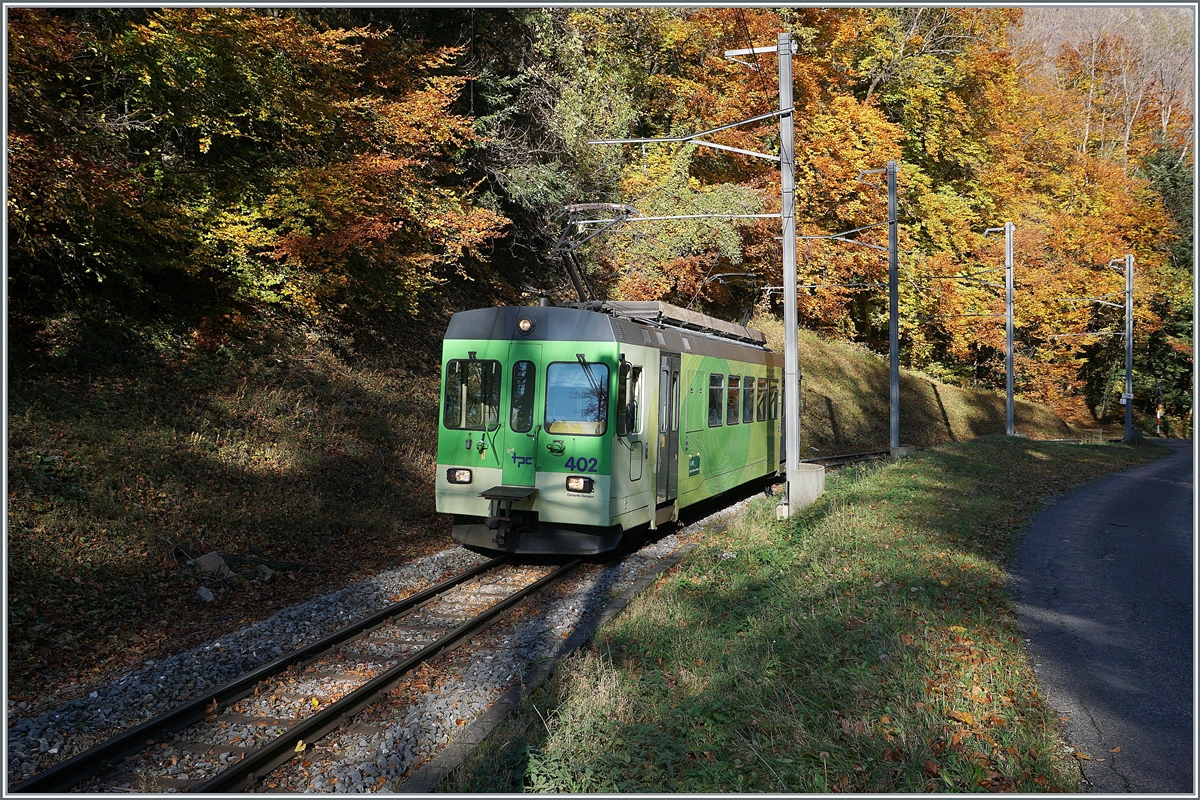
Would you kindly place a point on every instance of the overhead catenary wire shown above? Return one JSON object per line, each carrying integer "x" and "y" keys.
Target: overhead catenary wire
{"x": 677, "y": 216}
{"x": 952, "y": 316}
{"x": 770, "y": 290}
{"x": 756, "y": 67}
{"x": 1092, "y": 333}
{"x": 840, "y": 236}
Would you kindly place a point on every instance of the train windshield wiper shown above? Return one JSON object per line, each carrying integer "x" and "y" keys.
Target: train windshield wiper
{"x": 588, "y": 371}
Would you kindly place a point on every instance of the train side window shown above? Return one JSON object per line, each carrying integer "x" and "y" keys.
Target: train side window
{"x": 524, "y": 378}
{"x": 577, "y": 398}
{"x": 748, "y": 399}
{"x": 472, "y": 394}
{"x": 716, "y": 386}
{"x": 635, "y": 400}
{"x": 629, "y": 388}
{"x": 762, "y": 399}
{"x": 452, "y": 411}
{"x": 773, "y": 398}
{"x": 734, "y": 400}
{"x": 623, "y": 398}
{"x": 675, "y": 400}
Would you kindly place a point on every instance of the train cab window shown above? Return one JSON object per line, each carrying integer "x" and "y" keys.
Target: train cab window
{"x": 748, "y": 399}
{"x": 762, "y": 399}
{"x": 577, "y": 398}
{"x": 675, "y": 400}
{"x": 472, "y": 394}
{"x": 635, "y": 400}
{"x": 524, "y": 382}
{"x": 773, "y": 398}
{"x": 732, "y": 413}
{"x": 716, "y": 397}
{"x": 629, "y": 396}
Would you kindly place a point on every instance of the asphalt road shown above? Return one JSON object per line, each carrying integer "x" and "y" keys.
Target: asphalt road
{"x": 1104, "y": 588}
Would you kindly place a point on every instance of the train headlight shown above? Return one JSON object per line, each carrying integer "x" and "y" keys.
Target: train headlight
{"x": 578, "y": 483}
{"x": 525, "y": 325}
{"x": 458, "y": 475}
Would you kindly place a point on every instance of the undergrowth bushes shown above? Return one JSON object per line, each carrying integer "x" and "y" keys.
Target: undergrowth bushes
{"x": 130, "y": 447}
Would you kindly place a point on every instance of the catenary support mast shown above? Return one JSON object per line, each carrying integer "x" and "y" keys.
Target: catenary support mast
{"x": 893, "y": 307}
{"x": 1009, "y": 426}
{"x": 1128, "y": 347}
{"x": 791, "y": 348}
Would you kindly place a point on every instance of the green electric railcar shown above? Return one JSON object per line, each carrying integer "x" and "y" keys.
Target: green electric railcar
{"x": 562, "y": 427}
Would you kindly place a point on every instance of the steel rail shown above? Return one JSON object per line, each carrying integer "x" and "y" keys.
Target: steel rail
{"x": 95, "y": 760}
{"x": 848, "y": 458}
{"x": 242, "y": 775}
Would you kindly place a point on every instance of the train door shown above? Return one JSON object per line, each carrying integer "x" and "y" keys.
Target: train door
{"x": 629, "y": 420}
{"x": 667, "y": 470}
{"x": 518, "y": 450}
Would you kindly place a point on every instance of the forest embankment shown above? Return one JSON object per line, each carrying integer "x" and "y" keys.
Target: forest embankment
{"x": 132, "y": 449}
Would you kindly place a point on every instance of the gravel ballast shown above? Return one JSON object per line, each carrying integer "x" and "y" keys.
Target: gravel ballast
{"x": 74, "y": 726}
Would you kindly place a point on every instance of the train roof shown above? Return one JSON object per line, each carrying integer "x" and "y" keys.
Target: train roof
{"x": 657, "y": 314}
{"x": 652, "y": 324}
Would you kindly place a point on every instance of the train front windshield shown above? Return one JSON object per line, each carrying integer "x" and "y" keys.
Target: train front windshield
{"x": 577, "y": 398}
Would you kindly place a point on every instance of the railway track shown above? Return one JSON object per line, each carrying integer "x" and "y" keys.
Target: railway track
{"x": 232, "y": 737}
{"x": 848, "y": 458}
{"x": 196, "y": 743}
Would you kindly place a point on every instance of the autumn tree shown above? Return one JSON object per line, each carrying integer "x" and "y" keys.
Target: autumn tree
{"x": 229, "y": 156}
{"x": 990, "y": 123}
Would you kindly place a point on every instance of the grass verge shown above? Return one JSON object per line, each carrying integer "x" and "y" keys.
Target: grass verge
{"x": 867, "y": 645}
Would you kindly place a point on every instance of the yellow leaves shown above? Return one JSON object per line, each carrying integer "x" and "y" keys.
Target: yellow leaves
{"x": 839, "y": 140}
{"x": 964, "y": 717}
{"x": 648, "y": 170}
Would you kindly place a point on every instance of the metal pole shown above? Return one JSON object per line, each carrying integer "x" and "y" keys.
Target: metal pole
{"x": 1158, "y": 404}
{"x": 893, "y": 306}
{"x": 791, "y": 354}
{"x": 1008, "y": 328}
{"x": 1128, "y": 347}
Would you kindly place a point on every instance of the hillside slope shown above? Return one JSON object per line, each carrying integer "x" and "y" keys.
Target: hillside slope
{"x": 132, "y": 447}
{"x": 845, "y": 404}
